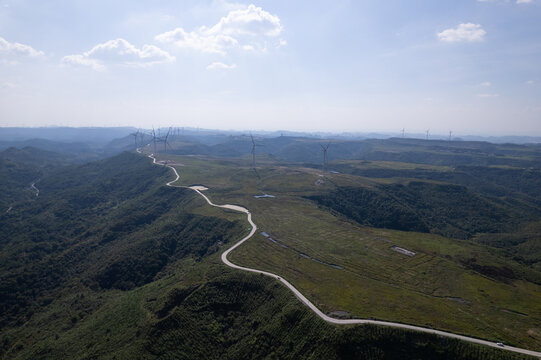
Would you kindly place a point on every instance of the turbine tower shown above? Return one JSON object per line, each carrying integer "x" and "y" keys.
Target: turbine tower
{"x": 254, "y": 145}
{"x": 135, "y": 135}
{"x": 165, "y": 144}
{"x": 253, "y": 151}
{"x": 154, "y": 140}
{"x": 403, "y": 132}
{"x": 450, "y": 135}
{"x": 427, "y": 132}
{"x": 325, "y": 148}
{"x": 142, "y": 136}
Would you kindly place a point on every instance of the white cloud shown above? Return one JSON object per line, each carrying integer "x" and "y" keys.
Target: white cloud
{"x": 463, "y": 33}
{"x": 221, "y": 66}
{"x": 119, "y": 52}
{"x": 252, "y": 21}
{"x": 247, "y": 29}
{"x": 10, "y": 85}
{"x": 524, "y": 1}
{"x": 488, "y": 95}
{"x": 199, "y": 40}
{"x": 486, "y": 84}
{"x": 12, "y": 52}
{"x": 529, "y": 82}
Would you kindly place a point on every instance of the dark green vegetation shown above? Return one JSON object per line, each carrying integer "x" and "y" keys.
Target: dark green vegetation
{"x": 19, "y": 168}
{"x": 109, "y": 263}
{"x": 445, "y": 209}
{"x": 105, "y": 225}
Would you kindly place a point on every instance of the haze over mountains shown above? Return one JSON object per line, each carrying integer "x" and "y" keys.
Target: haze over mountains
{"x": 106, "y": 134}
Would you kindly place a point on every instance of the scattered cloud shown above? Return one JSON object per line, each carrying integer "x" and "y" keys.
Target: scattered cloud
{"x": 199, "y": 40}
{"x": 13, "y": 52}
{"x": 524, "y": 1}
{"x": 119, "y": 52}
{"x": 488, "y": 95}
{"x": 221, "y": 66}
{"x": 10, "y": 85}
{"x": 252, "y": 21}
{"x": 486, "y": 84}
{"x": 467, "y": 32}
{"x": 248, "y": 29}
{"x": 530, "y": 82}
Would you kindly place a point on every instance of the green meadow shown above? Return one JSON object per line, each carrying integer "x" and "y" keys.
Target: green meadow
{"x": 451, "y": 284}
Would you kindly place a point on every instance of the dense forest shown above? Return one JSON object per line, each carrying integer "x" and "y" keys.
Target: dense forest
{"x": 446, "y": 209}
{"x": 87, "y": 226}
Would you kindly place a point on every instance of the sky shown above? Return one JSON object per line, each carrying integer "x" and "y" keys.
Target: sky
{"x": 470, "y": 66}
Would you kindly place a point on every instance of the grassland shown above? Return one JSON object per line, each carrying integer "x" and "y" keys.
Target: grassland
{"x": 435, "y": 288}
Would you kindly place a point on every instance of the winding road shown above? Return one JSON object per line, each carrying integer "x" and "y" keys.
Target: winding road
{"x": 308, "y": 303}
{"x": 33, "y": 187}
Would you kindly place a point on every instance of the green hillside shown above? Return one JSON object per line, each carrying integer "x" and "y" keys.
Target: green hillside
{"x": 105, "y": 225}
{"x": 22, "y": 167}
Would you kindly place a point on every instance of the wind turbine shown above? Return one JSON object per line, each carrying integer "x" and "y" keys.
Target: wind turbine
{"x": 165, "y": 144}
{"x": 427, "y": 132}
{"x": 325, "y": 148}
{"x": 142, "y": 136}
{"x": 450, "y": 134}
{"x": 403, "y": 132}
{"x": 254, "y": 145}
{"x": 135, "y": 135}
{"x": 154, "y": 140}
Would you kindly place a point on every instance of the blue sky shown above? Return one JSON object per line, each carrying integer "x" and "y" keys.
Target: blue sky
{"x": 468, "y": 66}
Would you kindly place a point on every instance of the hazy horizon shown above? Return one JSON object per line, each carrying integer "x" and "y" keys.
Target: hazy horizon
{"x": 469, "y": 66}
{"x": 512, "y": 138}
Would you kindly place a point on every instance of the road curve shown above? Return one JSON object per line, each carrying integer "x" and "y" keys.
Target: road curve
{"x": 308, "y": 303}
{"x": 33, "y": 187}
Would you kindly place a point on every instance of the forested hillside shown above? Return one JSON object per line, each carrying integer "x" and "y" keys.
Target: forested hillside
{"x": 22, "y": 167}
{"x": 108, "y": 224}
{"x": 450, "y": 210}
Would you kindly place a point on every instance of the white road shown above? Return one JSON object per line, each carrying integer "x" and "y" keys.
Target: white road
{"x": 33, "y": 186}
{"x": 308, "y": 303}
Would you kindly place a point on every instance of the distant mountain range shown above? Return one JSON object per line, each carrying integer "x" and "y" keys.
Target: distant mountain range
{"x": 104, "y": 135}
